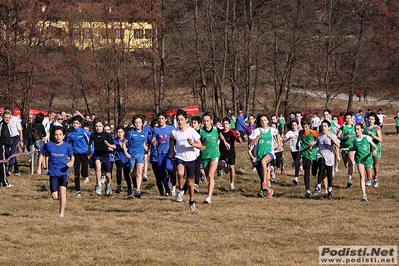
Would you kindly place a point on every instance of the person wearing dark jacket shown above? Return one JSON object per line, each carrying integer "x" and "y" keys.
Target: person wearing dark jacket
{"x": 5, "y": 146}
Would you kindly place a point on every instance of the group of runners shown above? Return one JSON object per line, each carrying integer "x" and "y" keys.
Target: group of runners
{"x": 202, "y": 146}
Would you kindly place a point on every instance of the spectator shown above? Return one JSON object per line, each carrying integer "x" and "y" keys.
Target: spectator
{"x": 16, "y": 135}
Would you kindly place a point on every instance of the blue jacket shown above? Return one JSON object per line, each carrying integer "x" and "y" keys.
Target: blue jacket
{"x": 240, "y": 124}
{"x": 79, "y": 140}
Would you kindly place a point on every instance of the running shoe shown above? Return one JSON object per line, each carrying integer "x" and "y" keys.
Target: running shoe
{"x": 108, "y": 190}
{"x": 219, "y": 172}
{"x": 329, "y": 195}
{"x": 86, "y": 180}
{"x": 145, "y": 177}
{"x": 208, "y": 200}
{"x": 316, "y": 191}
{"x": 307, "y": 194}
{"x": 98, "y": 189}
{"x": 78, "y": 194}
{"x": 375, "y": 184}
{"x": 173, "y": 191}
{"x": 295, "y": 181}
{"x": 196, "y": 188}
{"x": 192, "y": 206}
{"x": 349, "y": 183}
{"x": 129, "y": 193}
{"x": 202, "y": 175}
{"x": 226, "y": 168}
{"x": 137, "y": 194}
{"x": 118, "y": 189}
{"x": 270, "y": 194}
{"x": 261, "y": 194}
{"x": 61, "y": 215}
{"x": 18, "y": 174}
{"x": 301, "y": 168}
{"x": 368, "y": 182}
{"x": 9, "y": 185}
{"x": 364, "y": 197}
{"x": 232, "y": 186}
{"x": 264, "y": 186}
{"x": 283, "y": 171}
{"x": 180, "y": 195}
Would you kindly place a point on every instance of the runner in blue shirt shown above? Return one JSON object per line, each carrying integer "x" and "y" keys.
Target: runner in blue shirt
{"x": 79, "y": 140}
{"x": 121, "y": 162}
{"x": 134, "y": 147}
{"x": 160, "y": 140}
{"x": 56, "y": 155}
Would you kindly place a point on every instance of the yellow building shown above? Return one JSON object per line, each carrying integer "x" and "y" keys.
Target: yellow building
{"x": 100, "y": 35}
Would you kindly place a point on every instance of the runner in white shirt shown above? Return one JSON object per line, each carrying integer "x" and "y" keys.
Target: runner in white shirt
{"x": 183, "y": 141}
{"x": 292, "y": 137}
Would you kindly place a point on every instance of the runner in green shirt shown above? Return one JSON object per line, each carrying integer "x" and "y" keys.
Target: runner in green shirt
{"x": 210, "y": 136}
{"x": 363, "y": 157}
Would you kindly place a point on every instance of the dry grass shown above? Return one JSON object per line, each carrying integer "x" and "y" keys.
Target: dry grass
{"x": 236, "y": 229}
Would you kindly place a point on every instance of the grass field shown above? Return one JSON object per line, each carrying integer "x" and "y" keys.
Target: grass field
{"x": 238, "y": 228}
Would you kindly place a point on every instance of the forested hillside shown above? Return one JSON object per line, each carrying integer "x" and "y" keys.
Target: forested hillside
{"x": 219, "y": 54}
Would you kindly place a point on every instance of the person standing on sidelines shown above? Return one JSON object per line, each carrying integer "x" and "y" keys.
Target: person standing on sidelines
{"x": 228, "y": 155}
{"x": 134, "y": 146}
{"x": 210, "y": 136}
{"x": 183, "y": 141}
{"x": 375, "y": 132}
{"x": 346, "y": 135}
{"x": 102, "y": 142}
{"x": 56, "y": 154}
{"x": 16, "y": 134}
{"x": 5, "y": 146}
{"x": 79, "y": 140}
{"x": 263, "y": 136}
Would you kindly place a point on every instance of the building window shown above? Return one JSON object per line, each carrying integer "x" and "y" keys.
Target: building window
{"x": 76, "y": 32}
{"x": 138, "y": 34}
{"x": 119, "y": 33}
{"x": 87, "y": 33}
{"x": 148, "y": 34}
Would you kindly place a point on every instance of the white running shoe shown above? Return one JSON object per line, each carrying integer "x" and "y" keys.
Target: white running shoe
{"x": 98, "y": 189}
{"x": 173, "y": 191}
{"x": 232, "y": 186}
{"x": 192, "y": 206}
{"x": 208, "y": 200}
{"x": 203, "y": 176}
{"x": 180, "y": 195}
{"x": 86, "y": 180}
